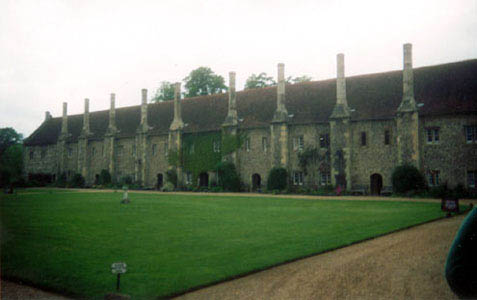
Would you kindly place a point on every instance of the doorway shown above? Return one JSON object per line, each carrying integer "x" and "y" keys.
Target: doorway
{"x": 160, "y": 181}
{"x": 256, "y": 182}
{"x": 203, "y": 179}
{"x": 376, "y": 184}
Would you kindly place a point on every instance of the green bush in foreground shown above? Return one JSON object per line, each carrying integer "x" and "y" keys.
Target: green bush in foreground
{"x": 228, "y": 177}
{"x": 407, "y": 178}
{"x": 277, "y": 179}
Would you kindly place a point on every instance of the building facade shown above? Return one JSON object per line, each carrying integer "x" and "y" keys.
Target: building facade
{"x": 350, "y": 132}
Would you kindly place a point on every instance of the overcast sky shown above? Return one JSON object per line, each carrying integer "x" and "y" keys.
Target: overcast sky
{"x": 55, "y": 51}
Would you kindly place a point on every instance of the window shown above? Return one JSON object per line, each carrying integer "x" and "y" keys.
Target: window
{"x": 471, "y": 134}
{"x": 70, "y": 151}
{"x": 433, "y": 177}
{"x": 298, "y": 143}
{"x": 43, "y": 153}
{"x": 298, "y": 178}
{"x": 363, "y": 138}
{"x": 93, "y": 151}
{"x": 264, "y": 144}
{"x": 102, "y": 151}
{"x": 192, "y": 149}
{"x": 154, "y": 146}
{"x": 387, "y": 137}
{"x": 247, "y": 144}
{"x": 32, "y": 154}
{"x": 188, "y": 178}
{"x": 325, "y": 178}
{"x": 324, "y": 140}
{"x": 133, "y": 150}
{"x": 216, "y": 146}
{"x": 166, "y": 149}
{"x": 471, "y": 175}
{"x": 432, "y": 135}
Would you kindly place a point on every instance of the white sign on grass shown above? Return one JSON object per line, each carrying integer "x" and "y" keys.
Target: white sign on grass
{"x": 118, "y": 268}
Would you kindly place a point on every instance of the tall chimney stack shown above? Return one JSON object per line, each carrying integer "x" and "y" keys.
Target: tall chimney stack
{"x": 281, "y": 114}
{"x": 231, "y": 118}
{"x": 112, "y": 113}
{"x": 340, "y": 81}
{"x": 144, "y": 109}
{"x": 408, "y": 101}
{"x": 64, "y": 120}
{"x": 341, "y": 109}
{"x": 47, "y": 116}
{"x": 177, "y": 123}
{"x": 86, "y": 116}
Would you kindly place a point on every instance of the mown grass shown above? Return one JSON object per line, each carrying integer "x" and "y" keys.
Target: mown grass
{"x": 171, "y": 243}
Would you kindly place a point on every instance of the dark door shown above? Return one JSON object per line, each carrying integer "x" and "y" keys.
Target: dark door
{"x": 160, "y": 180}
{"x": 256, "y": 182}
{"x": 376, "y": 184}
{"x": 204, "y": 179}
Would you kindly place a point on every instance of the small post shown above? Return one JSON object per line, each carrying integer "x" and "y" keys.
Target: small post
{"x": 117, "y": 283}
{"x": 125, "y": 195}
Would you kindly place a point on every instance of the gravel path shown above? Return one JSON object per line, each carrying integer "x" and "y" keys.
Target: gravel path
{"x": 404, "y": 265}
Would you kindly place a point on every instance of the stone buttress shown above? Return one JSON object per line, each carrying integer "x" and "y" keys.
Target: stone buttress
{"x": 279, "y": 125}
{"x": 83, "y": 157}
{"x": 110, "y": 138}
{"x": 61, "y": 144}
{"x": 175, "y": 133}
{"x": 230, "y": 125}
{"x": 141, "y": 142}
{"x": 407, "y": 118}
{"x": 340, "y": 132}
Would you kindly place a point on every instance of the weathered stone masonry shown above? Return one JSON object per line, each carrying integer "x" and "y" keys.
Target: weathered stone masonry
{"x": 361, "y": 126}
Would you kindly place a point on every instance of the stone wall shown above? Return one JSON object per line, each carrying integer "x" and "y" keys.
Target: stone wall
{"x": 125, "y": 158}
{"x": 46, "y": 163}
{"x": 256, "y": 160}
{"x": 157, "y": 162}
{"x": 375, "y": 157}
{"x": 452, "y": 156}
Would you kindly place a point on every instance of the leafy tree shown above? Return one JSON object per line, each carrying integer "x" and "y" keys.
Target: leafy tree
{"x": 104, "y": 177}
{"x": 165, "y": 92}
{"x": 229, "y": 180}
{"x": 259, "y": 81}
{"x": 262, "y": 80}
{"x": 299, "y": 79}
{"x": 11, "y": 156}
{"x": 203, "y": 81}
{"x": 8, "y": 137}
{"x": 277, "y": 179}
{"x": 407, "y": 178}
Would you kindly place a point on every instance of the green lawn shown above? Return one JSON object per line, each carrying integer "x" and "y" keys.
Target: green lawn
{"x": 171, "y": 243}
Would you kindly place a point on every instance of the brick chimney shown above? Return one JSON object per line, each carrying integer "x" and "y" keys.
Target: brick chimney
{"x": 86, "y": 116}
{"x": 408, "y": 103}
{"x": 231, "y": 118}
{"x": 177, "y": 123}
{"x": 281, "y": 114}
{"x": 144, "y": 126}
{"x": 47, "y": 116}
{"x": 112, "y": 113}
{"x": 341, "y": 109}
{"x": 64, "y": 120}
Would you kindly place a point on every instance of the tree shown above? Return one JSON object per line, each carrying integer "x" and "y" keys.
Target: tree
{"x": 299, "y": 79}
{"x": 229, "y": 180}
{"x": 277, "y": 179}
{"x": 11, "y": 164}
{"x": 8, "y": 137}
{"x": 407, "y": 178}
{"x": 259, "y": 81}
{"x": 203, "y": 81}
{"x": 165, "y": 92}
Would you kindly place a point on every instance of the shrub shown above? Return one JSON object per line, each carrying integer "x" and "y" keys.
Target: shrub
{"x": 77, "y": 181}
{"x": 104, "y": 177}
{"x": 171, "y": 176}
{"x": 168, "y": 187}
{"x": 61, "y": 182}
{"x": 407, "y": 178}
{"x": 228, "y": 177}
{"x": 277, "y": 179}
{"x": 126, "y": 180}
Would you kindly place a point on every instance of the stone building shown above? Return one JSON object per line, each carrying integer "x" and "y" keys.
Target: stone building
{"x": 354, "y": 132}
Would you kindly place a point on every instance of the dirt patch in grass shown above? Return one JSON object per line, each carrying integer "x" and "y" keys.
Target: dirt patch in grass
{"x": 402, "y": 265}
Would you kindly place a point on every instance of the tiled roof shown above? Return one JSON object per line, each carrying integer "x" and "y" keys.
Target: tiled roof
{"x": 443, "y": 89}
